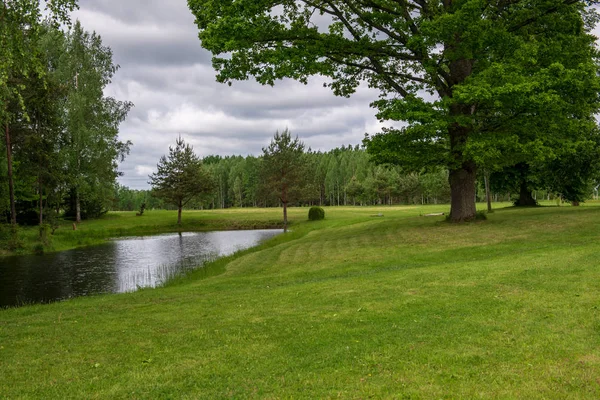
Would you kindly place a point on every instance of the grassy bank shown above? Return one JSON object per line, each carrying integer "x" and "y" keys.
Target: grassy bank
{"x": 123, "y": 224}
{"x": 120, "y": 224}
{"x": 356, "y": 306}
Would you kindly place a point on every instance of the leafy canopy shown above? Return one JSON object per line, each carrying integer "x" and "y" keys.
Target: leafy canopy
{"x": 20, "y": 32}
{"x": 472, "y": 81}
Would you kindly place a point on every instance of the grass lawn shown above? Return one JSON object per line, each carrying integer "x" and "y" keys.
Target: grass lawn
{"x": 356, "y": 306}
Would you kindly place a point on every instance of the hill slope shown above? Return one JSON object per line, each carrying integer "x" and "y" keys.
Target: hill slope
{"x": 402, "y": 306}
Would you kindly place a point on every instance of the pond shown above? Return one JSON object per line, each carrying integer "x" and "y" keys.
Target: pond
{"x": 117, "y": 266}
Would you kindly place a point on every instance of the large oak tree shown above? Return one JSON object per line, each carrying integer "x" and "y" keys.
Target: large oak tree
{"x": 438, "y": 65}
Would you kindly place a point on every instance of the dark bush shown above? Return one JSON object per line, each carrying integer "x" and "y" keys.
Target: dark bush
{"x": 13, "y": 238}
{"x": 29, "y": 217}
{"x": 316, "y": 214}
{"x": 52, "y": 219}
{"x": 45, "y": 236}
{"x": 481, "y": 216}
{"x": 90, "y": 209}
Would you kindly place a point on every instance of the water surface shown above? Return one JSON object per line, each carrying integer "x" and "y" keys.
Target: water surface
{"x": 117, "y": 266}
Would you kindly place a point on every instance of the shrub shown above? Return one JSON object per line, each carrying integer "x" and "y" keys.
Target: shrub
{"x": 316, "y": 214}
{"x": 38, "y": 249}
{"x": 52, "y": 220}
{"x": 14, "y": 242}
{"x": 481, "y": 216}
{"x": 45, "y": 237}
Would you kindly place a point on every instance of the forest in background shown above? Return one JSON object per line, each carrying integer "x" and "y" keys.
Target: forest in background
{"x": 340, "y": 177}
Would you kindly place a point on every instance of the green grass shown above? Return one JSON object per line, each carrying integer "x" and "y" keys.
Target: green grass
{"x": 355, "y": 306}
{"x": 119, "y": 224}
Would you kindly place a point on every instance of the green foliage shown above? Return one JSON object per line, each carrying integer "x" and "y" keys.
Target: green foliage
{"x": 316, "y": 214}
{"x": 22, "y": 66}
{"x": 180, "y": 177}
{"x": 475, "y": 83}
{"x": 342, "y": 176}
{"x": 284, "y": 167}
{"x": 11, "y": 236}
{"x": 20, "y": 31}
{"x": 45, "y": 239}
{"x": 284, "y": 170}
{"x": 39, "y": 249}
{"x": 92, "y": 121}
{"x": 574, "y": 170}
{"x": 45, "y": 230}
{"x": 125, "y": 199}
{"x": 63, "y": 130}
{"x": 52, "y": 221}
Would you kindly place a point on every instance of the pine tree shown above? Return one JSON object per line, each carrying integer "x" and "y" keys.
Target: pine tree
{"x": 180, "y": 177}
{"x": 283, "y": 169}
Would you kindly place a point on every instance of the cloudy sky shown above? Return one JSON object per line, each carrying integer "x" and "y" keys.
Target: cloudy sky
{"x": 168, "y": 76}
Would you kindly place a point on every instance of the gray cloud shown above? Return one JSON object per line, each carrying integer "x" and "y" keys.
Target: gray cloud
{"x": 141, "y": 11}
{"x": 168, "y": 76}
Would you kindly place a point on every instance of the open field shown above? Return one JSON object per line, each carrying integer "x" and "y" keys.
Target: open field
{"x": 122, "y": 224}
{"x": 356, "y": 306}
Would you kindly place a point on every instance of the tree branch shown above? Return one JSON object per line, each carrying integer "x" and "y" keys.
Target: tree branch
{"x": 376, "y": 63}
{"x": 549, "y": 11}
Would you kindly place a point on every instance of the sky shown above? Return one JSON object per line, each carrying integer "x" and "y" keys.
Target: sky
{"x": 169, "y": 77}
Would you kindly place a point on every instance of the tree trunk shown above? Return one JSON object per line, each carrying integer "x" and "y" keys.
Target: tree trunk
{"x": 462, "y": 196}
{"x": 77, "y": 207}
{"x": 575, "y": 203}
{"x": 525, "y": 198}
{"x": 40, "y": 188}
{"x": 285, "y": 220}
{"x": 179, "y": 208}
{"x": 284, "y": 201}
{"x": 488, "y": 194}
{"x": 462, "y": 177}
{"x": 11, "y": 186}
{"x": 462, "y": 171}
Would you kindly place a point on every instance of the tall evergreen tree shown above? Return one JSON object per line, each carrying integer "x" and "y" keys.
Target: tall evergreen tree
{"x": 284, "y": 169}
{"x": 180, "y": 177}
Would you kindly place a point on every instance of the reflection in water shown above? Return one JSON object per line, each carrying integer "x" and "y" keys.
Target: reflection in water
{"x": 117, "y": 266}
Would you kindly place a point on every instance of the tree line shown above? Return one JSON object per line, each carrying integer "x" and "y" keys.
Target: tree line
{"x": 61, "y": 149}
{"x": 289, "y": 174}
{"x": 513, "y": 88}
{"x": 342, "y": 176}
